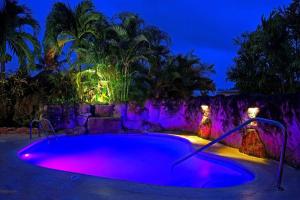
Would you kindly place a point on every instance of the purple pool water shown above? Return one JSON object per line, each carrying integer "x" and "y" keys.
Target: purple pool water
{"x": 142, "y": 158}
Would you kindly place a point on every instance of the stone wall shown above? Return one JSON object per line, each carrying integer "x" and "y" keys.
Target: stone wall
{"x": 84, "y": 118}
{"x": 225, "y": 114}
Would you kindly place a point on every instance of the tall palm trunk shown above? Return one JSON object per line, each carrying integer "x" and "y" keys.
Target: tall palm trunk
{"x": 50, "y": 59}
{"x": 126, "y": 82}
{"x": 2, "y": 60}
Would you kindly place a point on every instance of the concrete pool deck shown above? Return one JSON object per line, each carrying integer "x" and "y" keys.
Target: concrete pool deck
{"x": 21, "y": 181}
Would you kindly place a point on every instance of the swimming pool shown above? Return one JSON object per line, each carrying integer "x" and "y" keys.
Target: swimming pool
{"x": 141, "y": 158}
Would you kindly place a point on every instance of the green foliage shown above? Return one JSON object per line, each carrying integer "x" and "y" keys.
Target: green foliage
{"x": 179, "y": 77}
{"x": 58, "y": 87}
{"x": 128, "y": 46}
{"x": 91, "y": 88}
{"x": 70, "y": 26}
{"x": 13, "y": 37}
{"x": 268, "y": 59}
{"x": 134, "y": 61}
{"x": 111, "y": 61}
{"x": 113, "y": 57}
{"x": 22, "y": 96}
{"x": 19, "y": 100}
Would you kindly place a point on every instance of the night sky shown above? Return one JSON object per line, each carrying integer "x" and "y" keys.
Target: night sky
{"x": 206, "y": 27}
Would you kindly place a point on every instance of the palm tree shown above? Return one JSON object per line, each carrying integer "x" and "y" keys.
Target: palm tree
{"x": 66, "y": 25}
{"x": 160, "y": 47}
{"x": 180, "y": 77}
{"x": 146, "y": 71}
{"x": 115, "y": 53}
{"x": 95, "y": 58}
{"x": 13, "y": 37}
{"x": 128, "y": 46}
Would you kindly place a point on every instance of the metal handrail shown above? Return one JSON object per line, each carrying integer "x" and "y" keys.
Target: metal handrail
{"x": 39, "y": 127}
{"x": 267, "y": 121}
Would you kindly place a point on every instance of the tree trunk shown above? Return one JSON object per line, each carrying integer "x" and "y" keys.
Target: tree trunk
{"x": 50, "y": 61}
{"x": 3, "y": 59}
{"x": 2, "y": 70}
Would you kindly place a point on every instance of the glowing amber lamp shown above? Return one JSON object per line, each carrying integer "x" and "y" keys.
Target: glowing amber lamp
{"x": 252, "y": 113}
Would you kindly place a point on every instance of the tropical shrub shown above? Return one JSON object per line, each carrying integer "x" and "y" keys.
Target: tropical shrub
{"x": 268, "y": 59}
{"x": 179, "y": 77}
{"x": 91, "y": 87}
{"x": 112, "y": 58}
{"x": 20, "y": 100}
{"x": 57, "y": 87}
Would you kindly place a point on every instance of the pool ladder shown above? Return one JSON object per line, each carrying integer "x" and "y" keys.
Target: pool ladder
{"x": 267, "y": 121}
{"x": 44, "y": 126}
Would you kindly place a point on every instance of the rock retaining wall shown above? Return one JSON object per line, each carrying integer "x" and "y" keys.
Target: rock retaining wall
{"x": 84, "y": 118}
{"x": 225, "y": 114}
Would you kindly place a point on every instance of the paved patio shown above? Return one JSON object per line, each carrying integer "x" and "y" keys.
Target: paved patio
{"x": 21, "y": 181}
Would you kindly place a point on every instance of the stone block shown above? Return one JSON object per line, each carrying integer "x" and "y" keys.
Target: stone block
{"x": 119, "y": 110}
{"x": 74, "y": 131}
{"x": 82, "y": 119}
{"x": 69, "y": 117}
{"x": 134, "y": 125}
{"x": 21, "y": 130}
{"x": 84, "y": 108}
{"x": 104, "y": 110}
{"x": 25, "y": 130}
{"x": 104, "y": 125}
{"x": 7, "y": 130}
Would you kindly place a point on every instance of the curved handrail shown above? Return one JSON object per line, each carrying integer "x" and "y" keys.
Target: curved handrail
{"x": 39, "y": 127}
{"x": 30, "y": 128}
{"x": 267, "y": 121}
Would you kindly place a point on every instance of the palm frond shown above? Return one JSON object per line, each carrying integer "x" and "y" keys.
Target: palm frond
{"x": 24, "y": 44}
{"x": 120, "y": 31}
